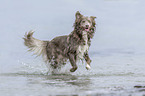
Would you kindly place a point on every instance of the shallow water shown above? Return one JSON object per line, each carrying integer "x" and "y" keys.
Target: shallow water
{"x": 114, "y": 75}
{"x": 117, "y": 49}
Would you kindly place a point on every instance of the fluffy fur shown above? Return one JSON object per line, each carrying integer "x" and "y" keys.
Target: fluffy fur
{"x": 72, "y": 47}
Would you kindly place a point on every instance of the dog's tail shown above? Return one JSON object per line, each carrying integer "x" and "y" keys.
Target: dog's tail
{"x": 35, "y": 45}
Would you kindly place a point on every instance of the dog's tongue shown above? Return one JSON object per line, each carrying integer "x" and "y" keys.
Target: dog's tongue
{"x": 87, "y": 29}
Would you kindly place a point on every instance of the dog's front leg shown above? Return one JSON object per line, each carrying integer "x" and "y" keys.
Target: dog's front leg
{"x": 73, "y": 62}
{"x": 88, "y": 61}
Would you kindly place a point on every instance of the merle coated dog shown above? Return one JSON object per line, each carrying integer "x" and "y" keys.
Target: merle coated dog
{"x": 72, "y": 47}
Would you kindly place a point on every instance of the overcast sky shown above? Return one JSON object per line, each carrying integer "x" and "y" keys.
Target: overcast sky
{"x": 120, "y": 23}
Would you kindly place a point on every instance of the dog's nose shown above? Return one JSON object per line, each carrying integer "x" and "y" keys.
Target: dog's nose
{"x": 87, "y": 26}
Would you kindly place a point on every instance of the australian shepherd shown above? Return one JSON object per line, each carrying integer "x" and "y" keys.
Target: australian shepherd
{"x": 72, "y": 47}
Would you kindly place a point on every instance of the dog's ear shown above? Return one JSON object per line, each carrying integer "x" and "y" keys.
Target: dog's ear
{"x": 93, "y": 17}
{"x": 93, "y": 20}
{"x": 78, "y": 15}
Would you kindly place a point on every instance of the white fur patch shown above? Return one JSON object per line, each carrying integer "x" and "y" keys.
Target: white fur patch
{"x": 88, "y": 67}
{"x": 83, "y": 48}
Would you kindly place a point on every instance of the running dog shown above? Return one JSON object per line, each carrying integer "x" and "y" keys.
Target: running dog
{"x": 72, "y": 47}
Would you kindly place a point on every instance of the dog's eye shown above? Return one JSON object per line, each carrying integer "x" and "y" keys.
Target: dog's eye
{"x": 83, "y": 21}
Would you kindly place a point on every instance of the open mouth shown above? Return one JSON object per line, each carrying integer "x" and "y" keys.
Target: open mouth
{"x": 87, "y": 29}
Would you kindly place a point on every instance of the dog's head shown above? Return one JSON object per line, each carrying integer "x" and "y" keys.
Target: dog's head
{"x": 83, "y": 22}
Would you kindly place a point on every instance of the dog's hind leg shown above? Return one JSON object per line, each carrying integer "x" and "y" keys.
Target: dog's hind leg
{"x": 73, "y": 62}
{"x": 54, "y": 62}
{"x": 88, "y": 61}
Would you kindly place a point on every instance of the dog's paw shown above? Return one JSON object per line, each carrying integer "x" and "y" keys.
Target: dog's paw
{"x": 88, "y": 67}
{"x": 73, "y": 69}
